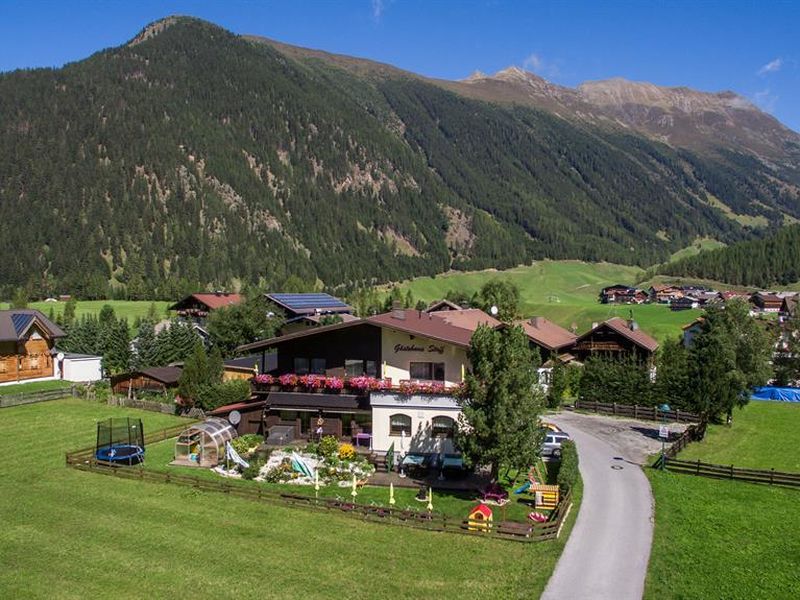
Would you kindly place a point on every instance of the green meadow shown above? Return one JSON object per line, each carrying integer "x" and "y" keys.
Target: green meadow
{"x": 71, "y": 534}
{"x": 565, "y": 292}
{"x": 763, "y": 435}
{"x": 129, "y": 309}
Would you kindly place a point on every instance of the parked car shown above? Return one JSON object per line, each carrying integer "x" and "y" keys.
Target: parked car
{"x": 552, "y": 443}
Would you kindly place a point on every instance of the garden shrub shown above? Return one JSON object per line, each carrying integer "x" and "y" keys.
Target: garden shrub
{"x": 244, "y": 442}
{"x": 252, "y": 471}
{"x": 568, "y": 470}
{"x": 328, "y": 446}
{"x": 215, "y": 395}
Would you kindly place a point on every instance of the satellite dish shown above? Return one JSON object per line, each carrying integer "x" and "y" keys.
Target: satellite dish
{"x": 494, "y": 311}
{"x": 60, "y": 356}
{"x": 235, "y": 417}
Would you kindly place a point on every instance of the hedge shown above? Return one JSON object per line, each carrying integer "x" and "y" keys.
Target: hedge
{"x": 568, "y": 470}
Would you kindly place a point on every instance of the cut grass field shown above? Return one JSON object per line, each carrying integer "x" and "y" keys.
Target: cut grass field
{"x": 565, "y": 292}
{"x": 129, "y": 309}
{"x": 72, "y": 534}
{"x": 764, "y": 435}
{"x": 34, "y": 386}
{"x": 723, "y": 539}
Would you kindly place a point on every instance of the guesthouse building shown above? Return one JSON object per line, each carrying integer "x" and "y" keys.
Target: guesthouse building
{"x": 27, "y": 346}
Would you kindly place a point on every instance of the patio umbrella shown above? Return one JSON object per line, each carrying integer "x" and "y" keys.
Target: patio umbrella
{"x": 430, "y": 499}
{"x": 391, "y": 494}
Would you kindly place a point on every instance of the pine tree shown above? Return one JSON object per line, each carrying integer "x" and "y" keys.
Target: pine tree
{"x": 69, "y": 312}
{"x": 117, "y": 355}
{"x": 501, "y": 404}
{"x": 146, "y": 347}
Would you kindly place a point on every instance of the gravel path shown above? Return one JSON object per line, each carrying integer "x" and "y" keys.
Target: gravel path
{"x": 608, "y": 550}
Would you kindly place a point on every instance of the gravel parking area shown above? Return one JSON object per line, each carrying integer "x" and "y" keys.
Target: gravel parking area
{"x": 636, "y": 440}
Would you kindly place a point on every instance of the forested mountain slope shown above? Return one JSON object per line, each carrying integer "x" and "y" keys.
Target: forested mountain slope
{"x": 192, "y": 157}
{"x": 773, "y": 260}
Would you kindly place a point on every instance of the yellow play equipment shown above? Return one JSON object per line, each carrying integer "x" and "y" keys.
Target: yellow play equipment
{"x": 480, "y": 518}
{"x": 546, "y": 496}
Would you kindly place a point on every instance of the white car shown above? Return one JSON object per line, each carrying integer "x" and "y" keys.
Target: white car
{"x": 552, "y": 443}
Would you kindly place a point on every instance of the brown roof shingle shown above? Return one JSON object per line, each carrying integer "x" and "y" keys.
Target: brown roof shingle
{"x": 544, "y": 332}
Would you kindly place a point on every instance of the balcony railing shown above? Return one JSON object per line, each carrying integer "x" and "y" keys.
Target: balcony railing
{"x": 357, "y": 385}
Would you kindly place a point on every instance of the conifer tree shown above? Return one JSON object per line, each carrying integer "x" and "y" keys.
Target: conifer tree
{"x": 501, "y": 401}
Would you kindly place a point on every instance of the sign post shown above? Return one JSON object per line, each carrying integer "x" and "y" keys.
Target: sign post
{"x": 663, "y": 432}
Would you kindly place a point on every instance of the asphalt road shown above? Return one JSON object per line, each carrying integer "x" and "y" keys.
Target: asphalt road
{"x": 607, "y": 552}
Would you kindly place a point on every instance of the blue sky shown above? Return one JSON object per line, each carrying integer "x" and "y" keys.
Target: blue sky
{"x": 750, "y": 47}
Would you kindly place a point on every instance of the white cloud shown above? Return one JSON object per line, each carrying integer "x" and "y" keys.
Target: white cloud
{"x": 766, "y": 100}
{"x": 536, "y": 63}
{"x": 378, "y": 6}
{"x": 771, "y": 67}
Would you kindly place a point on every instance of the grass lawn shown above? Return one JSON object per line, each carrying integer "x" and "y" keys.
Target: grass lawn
{"x": 35, "y": 386}
{"x": 565, "y": 292}
{"x": 764, "y": 435}
{"x": 129, "y": 309}
{"x": 723, "y": 539}
{"x": 70, "y": 534}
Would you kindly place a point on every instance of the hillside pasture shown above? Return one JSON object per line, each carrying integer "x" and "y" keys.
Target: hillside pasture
{"x": 128, "y": 309}
{"x": 564, "y": 291}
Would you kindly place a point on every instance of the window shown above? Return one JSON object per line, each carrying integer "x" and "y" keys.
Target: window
{"x": 318, "y": 366}
{"x": 33, "y": 361}
{"x": 426, "y": 371}
{"x": 398, "y": 424}
{"x": 355, "y": 367}
{"x": 442, "y": 427}
{"x": 301, "y": 366}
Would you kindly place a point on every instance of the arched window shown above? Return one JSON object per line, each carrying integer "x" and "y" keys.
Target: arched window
{"x": 398, "y": 424}
{"x": 442, "y": 426}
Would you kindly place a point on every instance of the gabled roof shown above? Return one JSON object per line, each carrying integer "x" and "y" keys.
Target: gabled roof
{"x": 212, "y": 300}
{"x": 620, "y": 326}
{"x": 310, "y": 303}
{"x": 165, "y": 375}
{"x": 767, "y": 297}
{"x": 17, "y": 322}
{"x": 619, "y": 286}
{"x": 442, "y": 305}
{"x": 453, "y": 326}
{"x": 697, "y": 321}
{"x": 317, "y": 318}
{"x": 546, "y": 333}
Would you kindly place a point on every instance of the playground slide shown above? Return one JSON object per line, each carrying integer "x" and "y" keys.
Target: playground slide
{"x": 523, "y": 488}
{"x": 233, "y": 455}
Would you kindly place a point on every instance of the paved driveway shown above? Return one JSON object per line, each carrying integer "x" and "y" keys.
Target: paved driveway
{"x": 607, "y": 552}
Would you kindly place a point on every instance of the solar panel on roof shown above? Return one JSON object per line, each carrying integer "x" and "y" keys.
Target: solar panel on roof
{"x": 21, "y": 321}
{"x": 301, "y": 301}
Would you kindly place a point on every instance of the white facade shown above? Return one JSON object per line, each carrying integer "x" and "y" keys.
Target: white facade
{"x": 400, "y": 349}
{"x": 420, "y": 411}
{"x": 80, "y": 368}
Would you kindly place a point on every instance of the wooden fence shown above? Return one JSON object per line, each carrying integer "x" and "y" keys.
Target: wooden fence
{"x": 771, "y": 477}
{"x": 650, "y": 413}
{"x": 84, "y": 460}
{"x": 9, "y": 400}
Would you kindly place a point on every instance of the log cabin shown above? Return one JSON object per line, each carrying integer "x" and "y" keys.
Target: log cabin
{"x": 27, "y": 345}
{"x": 615, "y": 337}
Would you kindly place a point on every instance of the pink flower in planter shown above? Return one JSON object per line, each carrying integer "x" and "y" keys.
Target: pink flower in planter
{"x": 408, "y": 387}
{"x": 312, "y": 382}
{"x": 334, "y": 383}
{"x": 361, "y": 383}
{"x": 288, "y": 380}
{"x": 264, "y": 379}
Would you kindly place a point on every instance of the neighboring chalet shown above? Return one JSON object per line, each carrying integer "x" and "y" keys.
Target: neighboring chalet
{"x": 198, "y": 306}
{"x": 552, "y": 341}
{"x": 622, "y": 294}
{"x": 789, "y": 307}
{"x": 311, "y": 310}
{"x": 684, "y": 303}
{"x": 27, "y": 345}
{"x": 441, "y": 305}
{"x": 664, "y": 294}
{"x": 615, "y": 337}
{"x": 692, "y": 330}
{"x": 766, "y": 302}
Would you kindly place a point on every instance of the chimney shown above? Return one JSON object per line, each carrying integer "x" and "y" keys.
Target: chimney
{"x": 633, "y": 325}
{"x": 594, "y": 324}
{"x": 535, "y": 321}
{"x": 398, "y": 312}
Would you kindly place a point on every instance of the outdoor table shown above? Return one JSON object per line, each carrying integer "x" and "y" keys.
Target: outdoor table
{"x": 363, "y": 436}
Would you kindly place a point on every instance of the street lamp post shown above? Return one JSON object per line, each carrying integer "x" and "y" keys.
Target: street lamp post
{"x": 663, "y": 432}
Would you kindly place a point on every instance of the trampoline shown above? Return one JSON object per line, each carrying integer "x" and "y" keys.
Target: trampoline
{"x": 120, "y": 442}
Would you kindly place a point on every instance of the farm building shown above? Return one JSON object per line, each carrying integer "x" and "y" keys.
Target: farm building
{"x": 198, "y": 306}
{"x": 622, "y": 294}
{"x": 766, "y": 302}
{"x": 303, "y": 311}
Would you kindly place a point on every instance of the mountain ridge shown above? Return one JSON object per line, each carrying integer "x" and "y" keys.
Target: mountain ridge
{"x": 191, "y": 157}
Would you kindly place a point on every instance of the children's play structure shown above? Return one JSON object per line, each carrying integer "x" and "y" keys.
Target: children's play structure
{"x": 480, "y": 518}
{"x": 120, "y": 442}
{"x": 204, "y": 444}
{"x": 545, "y": 496}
